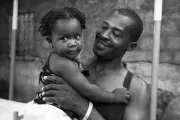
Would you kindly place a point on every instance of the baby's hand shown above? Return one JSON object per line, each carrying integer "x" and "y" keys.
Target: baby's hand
{"x": 122, "y": 95}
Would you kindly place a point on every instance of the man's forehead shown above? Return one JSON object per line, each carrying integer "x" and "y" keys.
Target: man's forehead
{"x": 119, "y": 21}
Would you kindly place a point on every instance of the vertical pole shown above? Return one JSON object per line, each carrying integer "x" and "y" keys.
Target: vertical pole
{"x": 13, "y": 48}
{"x": 155, "y": 62}
{"x": 15, "y": 115}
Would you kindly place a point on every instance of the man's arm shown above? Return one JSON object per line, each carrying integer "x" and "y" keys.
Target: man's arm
{"x": 81, "y": 110}
{"x": 139, "y": 105}
{"x": 66, "y": 96}
{"x": 95, "y": 115}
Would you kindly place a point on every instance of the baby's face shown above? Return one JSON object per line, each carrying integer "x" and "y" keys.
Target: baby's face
{"x": 67, "y": 37}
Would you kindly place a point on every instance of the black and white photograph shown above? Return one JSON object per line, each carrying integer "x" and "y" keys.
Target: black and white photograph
{"x": 89, "y": 60}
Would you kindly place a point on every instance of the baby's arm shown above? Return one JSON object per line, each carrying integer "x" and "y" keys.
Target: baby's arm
{"x": 69, "y": 71}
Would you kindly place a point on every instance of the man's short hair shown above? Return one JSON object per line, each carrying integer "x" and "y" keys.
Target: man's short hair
{"x": 137, "y": 27}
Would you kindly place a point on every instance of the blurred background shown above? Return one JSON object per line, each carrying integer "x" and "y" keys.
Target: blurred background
{"x": 32, "y": 50}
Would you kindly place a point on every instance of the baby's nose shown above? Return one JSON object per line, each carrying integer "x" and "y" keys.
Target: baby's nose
{"x": 72, "y": 43}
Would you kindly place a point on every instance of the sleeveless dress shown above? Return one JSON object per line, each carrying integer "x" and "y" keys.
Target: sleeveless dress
{"x": 47, "y": 71}
{"x": 114, "y": 111}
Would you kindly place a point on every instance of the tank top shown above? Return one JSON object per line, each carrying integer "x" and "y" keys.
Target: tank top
{"x": 47, "y": 71}
{"x": 114, "y": 111}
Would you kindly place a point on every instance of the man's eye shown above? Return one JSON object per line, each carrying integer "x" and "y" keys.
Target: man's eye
{"x": 117, "y": 34}
{"x": 104, "y": 27}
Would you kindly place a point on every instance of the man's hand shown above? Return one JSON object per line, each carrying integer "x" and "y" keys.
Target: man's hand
{"x": 63, "y": 94}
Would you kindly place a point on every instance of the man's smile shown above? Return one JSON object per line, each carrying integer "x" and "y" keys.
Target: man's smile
{"x": 102, "y": 44}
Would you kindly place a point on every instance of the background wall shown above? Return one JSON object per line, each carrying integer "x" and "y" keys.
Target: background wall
{"x": 95, "y": 11}
{"x": 139, "y": 60}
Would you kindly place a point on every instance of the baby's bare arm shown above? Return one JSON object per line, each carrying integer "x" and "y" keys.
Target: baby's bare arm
{"x": 70, "y": 72}
{"x": 122, "y": 95}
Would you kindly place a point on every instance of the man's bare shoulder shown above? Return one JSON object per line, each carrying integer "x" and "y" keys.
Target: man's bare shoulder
{"x": 139, "y": 105}
{"x": 139, "y": 85}
{"x": 140, "y": 90}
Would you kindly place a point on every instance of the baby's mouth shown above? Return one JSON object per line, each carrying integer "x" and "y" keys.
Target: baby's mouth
{"x": 72, "y": 52}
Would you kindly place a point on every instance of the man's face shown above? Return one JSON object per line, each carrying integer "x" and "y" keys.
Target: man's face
{"x": 113, "y": 38}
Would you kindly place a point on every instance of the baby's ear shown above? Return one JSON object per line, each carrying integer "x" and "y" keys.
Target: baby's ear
{"x": 49, "y": 39}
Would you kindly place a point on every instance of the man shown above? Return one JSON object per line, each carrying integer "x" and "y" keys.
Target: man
{"x": 118, "y": 34}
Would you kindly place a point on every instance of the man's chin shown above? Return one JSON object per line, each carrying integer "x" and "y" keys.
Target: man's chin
{"x": 104, "y": 55}
{"x": 98, "y": 53}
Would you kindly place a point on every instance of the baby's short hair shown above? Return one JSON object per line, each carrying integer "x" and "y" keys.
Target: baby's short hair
{"x": 48, "y": 21}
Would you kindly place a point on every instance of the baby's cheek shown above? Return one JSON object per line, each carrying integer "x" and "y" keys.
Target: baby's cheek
{"x": 80, "y": 45}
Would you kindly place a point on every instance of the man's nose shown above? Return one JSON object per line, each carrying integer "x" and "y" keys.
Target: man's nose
{"x": 106, "y": 34}
{"x": 72, "y": 43}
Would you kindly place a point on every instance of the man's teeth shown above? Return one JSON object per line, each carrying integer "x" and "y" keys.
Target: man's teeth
{"x": 101, "y": 44}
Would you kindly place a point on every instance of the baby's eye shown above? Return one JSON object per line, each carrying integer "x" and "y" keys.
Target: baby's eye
{"x": 77, "y": 36}
{"x": 64, "y": 39}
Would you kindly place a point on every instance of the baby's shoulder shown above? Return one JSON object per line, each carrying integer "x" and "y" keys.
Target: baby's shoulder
{"x": 57, "y": 59}
{"x": 57, "y": 62}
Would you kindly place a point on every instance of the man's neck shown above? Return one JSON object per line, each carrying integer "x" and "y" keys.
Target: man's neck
{"x": 107, "y": 74}
{"x": 108, "y": 65}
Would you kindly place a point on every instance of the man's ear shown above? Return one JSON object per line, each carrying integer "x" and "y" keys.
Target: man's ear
{"x": 132, "y": 46}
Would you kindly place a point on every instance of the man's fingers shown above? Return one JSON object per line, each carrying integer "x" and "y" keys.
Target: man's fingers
{"x": 125, "y": 101}
{"x": 50, "y": 99}
{"x": 61, "y": 89}
{"x": 49, "y": 93}
{"x": 127, "y": 92}
{"x": 128, "y": 97}
{"x": 50, "y": 77}
{"x": 54, "y": 78}
{"x": 125, "y": 89}
{"x": 50, "y": 87}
